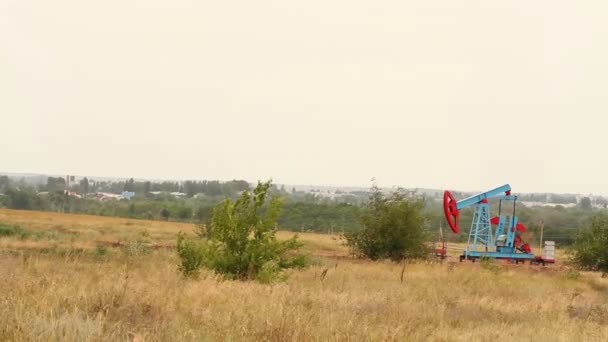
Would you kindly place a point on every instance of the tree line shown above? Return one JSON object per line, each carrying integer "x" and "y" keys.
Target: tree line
{"x": 190, "y": 188}
{"x": 301, "y": 212}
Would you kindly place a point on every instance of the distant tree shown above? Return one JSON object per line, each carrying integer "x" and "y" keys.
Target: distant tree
{"x": 585, "y": 203}
{"x": 203, "y": 214}
{"x": 601, "y": 200}
{"x": 393, "y": 227}
{"x": 132, "y": 209}
{"x": 320, "y": 216}
{"x": 184, "y": 213}
{"x": 93, "y": 185}
{"x": 116, "y": 187}
{"x": 165, "y": 186}
{"x": 4, "y": 183}
{"x": 214, "y": 188}
{"x": 240, "y": 185}
{"x": 84, "y": 186}
{"x": 146, "y": 188}
{"x": 23, "y": 199}
{"x": 190, "y": 188}
{"x": 129, "y": 185}
{"x": 57, "y": 201}
{"x": 563, "y": 198}
{"x": 54, "y": 184}
{"x": 590, "y": 252}
{"x": 165, "y": 214}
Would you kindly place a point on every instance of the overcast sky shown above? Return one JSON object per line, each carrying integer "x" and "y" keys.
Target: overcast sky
{"x": 437, "y": 93}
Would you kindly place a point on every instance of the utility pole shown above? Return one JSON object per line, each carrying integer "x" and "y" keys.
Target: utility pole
{"x": 542, "y": 227}
{"x": 65, "y": 193}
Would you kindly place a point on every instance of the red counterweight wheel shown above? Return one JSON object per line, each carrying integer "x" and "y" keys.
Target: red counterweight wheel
{"x": 451, "y": 211}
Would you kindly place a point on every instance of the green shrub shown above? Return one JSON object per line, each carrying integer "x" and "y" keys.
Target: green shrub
{"x": 590, "y": 252}
{"x": 13, "y": 230}
{"x": 101, "y": 251}
{"x": 165, "y": 214}
{"x": 240, "y": 241}
{"x": 393, "y": 227}
{"x": 192, "y": 254}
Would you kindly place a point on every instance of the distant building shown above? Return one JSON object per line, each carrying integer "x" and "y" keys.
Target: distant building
{"x": 72, "y": 194}
{"x": 102, "y": 196}
{"x": 127, "y": 195}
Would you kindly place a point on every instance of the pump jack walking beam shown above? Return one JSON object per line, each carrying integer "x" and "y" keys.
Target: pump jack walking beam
{"x": 452, "y": 208}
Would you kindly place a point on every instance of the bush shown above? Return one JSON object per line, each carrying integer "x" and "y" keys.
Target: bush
{"x": 590, "y": 252}
{"x": 184, "y": 213}
{"x": 192, "y": 254}
{"x": 165, "y": 214}
{"x": 240, "y": 241}
{"x": 393, "y": 227}
{"x": 101, "y": 251}
{"x": 22, "y": 199}
{"x": 13, "y": 230}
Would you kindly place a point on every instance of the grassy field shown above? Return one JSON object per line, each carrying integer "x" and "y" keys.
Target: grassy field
{"x": 60, "y": 280}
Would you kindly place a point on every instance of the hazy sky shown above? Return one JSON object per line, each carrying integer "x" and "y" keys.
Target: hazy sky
{"x": 435, "y": 93}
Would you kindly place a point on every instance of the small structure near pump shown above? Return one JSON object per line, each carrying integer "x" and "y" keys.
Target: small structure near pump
{"x": 548, "y": 256}
{"x": 496, "y": 237}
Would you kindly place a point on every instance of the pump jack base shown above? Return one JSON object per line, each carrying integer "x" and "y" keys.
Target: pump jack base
{"x": 516, "y": 258}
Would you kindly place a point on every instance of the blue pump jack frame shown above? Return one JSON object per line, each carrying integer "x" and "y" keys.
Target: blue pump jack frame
{"x": 475, "y": 199}
{"x": 481, "y": 234}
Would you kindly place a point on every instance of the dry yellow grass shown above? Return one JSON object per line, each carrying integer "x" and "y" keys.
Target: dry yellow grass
{"x": 69, "y": 296}
{"x": 93, "y": 228}
{"x": 86, "y": 231}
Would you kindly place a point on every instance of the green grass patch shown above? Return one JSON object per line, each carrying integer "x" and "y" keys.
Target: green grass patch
{"x": 13, "y": 230}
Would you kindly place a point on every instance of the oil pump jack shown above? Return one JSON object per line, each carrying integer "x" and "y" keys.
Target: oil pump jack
{"x": 495, "y": 237}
